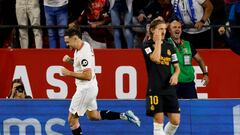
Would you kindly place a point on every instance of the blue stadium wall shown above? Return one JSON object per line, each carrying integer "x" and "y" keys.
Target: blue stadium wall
{"x": 49, "y": 117}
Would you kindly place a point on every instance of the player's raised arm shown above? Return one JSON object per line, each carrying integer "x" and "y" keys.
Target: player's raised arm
{"x": 68, "y": 59}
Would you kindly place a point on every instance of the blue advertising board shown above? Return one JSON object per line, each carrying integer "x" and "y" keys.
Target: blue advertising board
{"x": 49, "y": 117}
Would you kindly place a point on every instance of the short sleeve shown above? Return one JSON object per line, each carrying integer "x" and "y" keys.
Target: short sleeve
{"x": 174, "y": 58}
{"x": 147, "y": 48}
{"x": 85, "y": 57}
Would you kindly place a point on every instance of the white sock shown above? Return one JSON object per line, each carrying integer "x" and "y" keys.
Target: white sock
{"x": 158, "y": 129}
{"x": 170, "y": 129}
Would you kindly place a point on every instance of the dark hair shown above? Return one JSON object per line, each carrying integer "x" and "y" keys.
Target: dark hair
{"x": 17, "y": 81}
{"x": 174, "y": 20}
{"x": 73, "y": 32}
{"x": 21, "y": 86}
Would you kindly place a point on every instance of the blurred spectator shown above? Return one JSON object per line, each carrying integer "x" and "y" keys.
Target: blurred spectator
{"x": 95, "y": 14}
{"x": 7, "y": 18}
{"x": 139, "y": 31}
{"x": 18, "y": 91}
{"x": 194, "y": 14}
{"x": 56, "y": 13}
{"x": 218, "y": 17}
{"x": 232, "y": 34}
{"x": 228, "y": 4}
{"x": 155, "y": 9}
{"x": 121, "y": 11}
{"x": 75, "y": 8}
{"x": 137, "y": 6}
{"x": 28, "y": 9}
{"x": 234, "y": 13}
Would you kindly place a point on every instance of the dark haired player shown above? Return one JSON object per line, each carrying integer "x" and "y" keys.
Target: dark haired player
{"x": 84, "y": 99}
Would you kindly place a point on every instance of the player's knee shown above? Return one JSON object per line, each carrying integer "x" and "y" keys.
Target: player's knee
{"x": 158, "y": 118}
{"x": 175, "y": 121}
{"x": 93, "y": 115}
{"x": 93, "y": 118}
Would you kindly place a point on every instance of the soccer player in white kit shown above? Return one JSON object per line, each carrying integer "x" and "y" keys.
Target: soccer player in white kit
{"x": 84, "y": 99}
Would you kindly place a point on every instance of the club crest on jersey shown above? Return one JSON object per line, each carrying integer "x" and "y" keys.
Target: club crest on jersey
{"x": 84, "y": 62}
{"x": 152, "y": 108}
{"x": 169, "y": 52}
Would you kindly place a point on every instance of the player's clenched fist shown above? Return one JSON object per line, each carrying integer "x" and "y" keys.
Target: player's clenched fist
{"x": 66, "y": 58}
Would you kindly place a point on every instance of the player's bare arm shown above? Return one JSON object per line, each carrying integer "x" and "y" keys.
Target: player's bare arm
{"x": 82, "y": 75}
{"x": 201, "y": 63}
{"x": 174, "y": 77}
{"x": 68, "y": 59}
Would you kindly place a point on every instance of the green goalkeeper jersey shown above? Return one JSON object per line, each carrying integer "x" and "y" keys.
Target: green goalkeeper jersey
{"x": 184, "y": 55}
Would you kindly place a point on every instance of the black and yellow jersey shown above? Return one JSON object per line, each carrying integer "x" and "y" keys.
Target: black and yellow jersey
{"x": 159, "y": 74}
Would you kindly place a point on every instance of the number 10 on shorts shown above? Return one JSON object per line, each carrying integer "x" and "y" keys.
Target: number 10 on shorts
{"x": 153, "y": 100}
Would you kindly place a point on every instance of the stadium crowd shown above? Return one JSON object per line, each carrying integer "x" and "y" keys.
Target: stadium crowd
{"x": 123, "y": 21}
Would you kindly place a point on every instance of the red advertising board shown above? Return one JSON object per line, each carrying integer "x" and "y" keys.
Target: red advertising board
{"x": 121, "y": 74}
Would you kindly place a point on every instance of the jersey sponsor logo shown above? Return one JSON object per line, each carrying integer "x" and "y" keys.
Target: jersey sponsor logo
{"x": 165, "y": 60}
{"x": 84, "y": 62}
{"x": 169, "y": 52}
{"x": 148, "y": 50}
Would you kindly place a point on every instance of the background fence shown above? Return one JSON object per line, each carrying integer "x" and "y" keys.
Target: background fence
{"x": 15, "y": 35}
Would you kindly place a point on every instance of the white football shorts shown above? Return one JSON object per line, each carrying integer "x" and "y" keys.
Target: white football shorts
{"x": 85, "y": 98}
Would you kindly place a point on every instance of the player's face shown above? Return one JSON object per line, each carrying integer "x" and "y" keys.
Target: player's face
{"x": 175, "y": 30}
{"x": 70, "y": 42}
{"x": 161, "y": 28}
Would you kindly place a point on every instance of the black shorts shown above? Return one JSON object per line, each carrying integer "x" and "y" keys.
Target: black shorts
{"x": 161, "y": 103}
{"x": 186, "y": 90}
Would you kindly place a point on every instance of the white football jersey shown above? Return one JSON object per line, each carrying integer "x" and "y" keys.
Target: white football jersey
{"x": 84, "y": 59}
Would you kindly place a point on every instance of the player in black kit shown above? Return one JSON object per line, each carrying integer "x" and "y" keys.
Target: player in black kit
{"x": 161, "y": 94}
